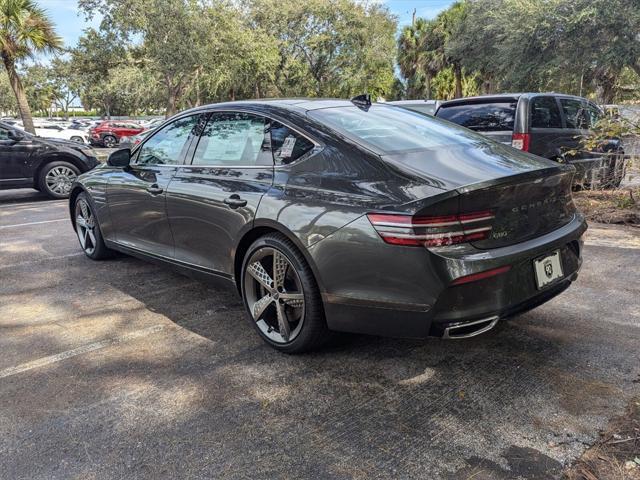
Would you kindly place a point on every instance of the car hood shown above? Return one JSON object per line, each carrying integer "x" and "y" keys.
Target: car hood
{"x": 461, "y": 166}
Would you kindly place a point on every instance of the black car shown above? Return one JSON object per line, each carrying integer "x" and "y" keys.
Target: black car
{"x": 545, "y": 124}
{"x": 333, "y": 215}
{"x": 48, "y": 165}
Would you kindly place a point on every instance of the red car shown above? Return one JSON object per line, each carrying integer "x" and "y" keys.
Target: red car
{"x": 108, "y": 134}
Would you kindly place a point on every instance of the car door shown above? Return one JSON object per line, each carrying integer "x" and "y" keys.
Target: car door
{"x": 212, "y": 200}
{"x": 137, "y": 194}
{"x": 15, "y": 154}
{"x": 545, "y": 126}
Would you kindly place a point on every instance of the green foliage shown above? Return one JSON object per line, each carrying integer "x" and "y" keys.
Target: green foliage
{"x": 584, "y": 47}
{"x": 201, "y": 51}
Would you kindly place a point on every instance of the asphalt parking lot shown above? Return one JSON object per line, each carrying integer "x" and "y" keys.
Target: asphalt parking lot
{"x": 123, "y": 369}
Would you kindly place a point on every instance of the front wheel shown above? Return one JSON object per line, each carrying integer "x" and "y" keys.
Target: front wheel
{"x": 110, "y": 141}
{"x": 281, "y": 296}
{"x": 56, "y": 179}
{"x": 77, "y": 139}
{"x": 88, "y": 230}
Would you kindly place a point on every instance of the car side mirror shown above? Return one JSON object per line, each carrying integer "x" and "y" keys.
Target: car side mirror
{"x": 120, "y": 158}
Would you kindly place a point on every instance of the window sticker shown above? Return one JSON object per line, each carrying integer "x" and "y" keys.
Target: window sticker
{"x": 287, "y": 147}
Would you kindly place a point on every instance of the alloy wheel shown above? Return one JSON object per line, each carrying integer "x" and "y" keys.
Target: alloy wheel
{"x": 109, "y": 141}
{"x": 274, "y": 295}
{"x": 59, "y": 179}
{"x": 85, "y": 226}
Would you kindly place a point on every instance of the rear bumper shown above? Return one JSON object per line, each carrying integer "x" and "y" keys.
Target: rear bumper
{"x": 374, "y": 309}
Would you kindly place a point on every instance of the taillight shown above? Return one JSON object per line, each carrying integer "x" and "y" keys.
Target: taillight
{"x": 432, "y": 231}
{"x": 521, "y": 141}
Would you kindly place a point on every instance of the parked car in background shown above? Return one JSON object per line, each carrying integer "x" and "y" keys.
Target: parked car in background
{"x": 337, "y": 215}
{"x": 47, "y": 129}
{"x": 427, "y": 107}
{"x": 545, "y": 124}
{"x": 136, "y": 139}
{"x": 48, "y": 165}
{"x": 108, "y": 133}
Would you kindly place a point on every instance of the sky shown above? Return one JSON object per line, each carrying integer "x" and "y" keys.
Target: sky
{"x": 70, "y": 24}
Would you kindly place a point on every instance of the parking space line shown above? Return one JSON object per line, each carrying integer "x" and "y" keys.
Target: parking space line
{"x": 34, "y": 223}
{"x": 44, "y": 361}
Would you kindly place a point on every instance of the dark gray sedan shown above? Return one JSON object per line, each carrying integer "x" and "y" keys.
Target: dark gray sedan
{"x": 330, "y": 215}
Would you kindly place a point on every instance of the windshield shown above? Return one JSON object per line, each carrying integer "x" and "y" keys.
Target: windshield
{"x": 391, "y": 130}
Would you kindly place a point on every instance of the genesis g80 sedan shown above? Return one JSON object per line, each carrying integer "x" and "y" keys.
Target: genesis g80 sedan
{"x": 335, "y": 215}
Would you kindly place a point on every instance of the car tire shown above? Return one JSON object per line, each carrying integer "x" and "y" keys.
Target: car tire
{"x": 293, "y": 294}
{"x": 88, "y": 229}
{"x": 109, "y": 141}
{"x": 56, "y": 178}
{"x": 77, "y": 139}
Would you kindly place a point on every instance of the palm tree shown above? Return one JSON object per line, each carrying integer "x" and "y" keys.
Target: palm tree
{"x": 25, "y": 31}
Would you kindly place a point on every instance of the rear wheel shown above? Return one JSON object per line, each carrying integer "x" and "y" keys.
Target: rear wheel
{"x": 88, "y": 230}
{"x": 76, "y": 139}
{"x": 56, "y": 178}
{"x": 110, "y": 141}
{"x": 281, "y": 296}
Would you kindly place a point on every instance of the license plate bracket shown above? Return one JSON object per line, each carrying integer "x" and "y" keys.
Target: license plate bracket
{"x": 548, "y": 269}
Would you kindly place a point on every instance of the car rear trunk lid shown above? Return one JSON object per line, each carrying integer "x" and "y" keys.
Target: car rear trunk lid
{"x": 524, "y": 206}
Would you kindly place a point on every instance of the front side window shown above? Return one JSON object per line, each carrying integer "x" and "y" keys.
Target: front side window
{"x": 594, "y": 113}
{"x": 167, "y": 146}
{"x": 234, "y": 139}
{"x": 481, "y": 117}
{"x": 545, "y": 113}
{"x": 575, "y": 113}
{"x": 4, "y": 134}
{"x": 288, "y": 145}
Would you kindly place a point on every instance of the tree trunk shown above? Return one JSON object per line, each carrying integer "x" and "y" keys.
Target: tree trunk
{"x": 172, "y": 100}
{"x": 428, "y": 87}
{"x": 21, "y": 96}
{"x": 457, "y": 73}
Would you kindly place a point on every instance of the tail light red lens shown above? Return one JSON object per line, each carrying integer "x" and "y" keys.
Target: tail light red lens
{"x": 432, "y": 231}
{"x": 521, "y": 141}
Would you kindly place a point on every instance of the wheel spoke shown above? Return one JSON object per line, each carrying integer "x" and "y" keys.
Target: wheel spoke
{"x": 294, "y": 300}
{"x": 283, "y": 323}
{"x": 81, "y": 222}
{"x": 82, "y": 236}
{"x": 257, "y": 271}
{"x": 92, "y": 236}
{"x": 259, "y": 307}
{"x": 280, "y": 265}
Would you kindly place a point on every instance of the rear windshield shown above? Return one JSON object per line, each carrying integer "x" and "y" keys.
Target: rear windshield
{"x": 481, "y": 117}
{"x": 393, "y": 130}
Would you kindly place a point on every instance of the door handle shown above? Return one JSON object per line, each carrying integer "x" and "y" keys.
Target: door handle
{"x": 234, "y": 201}
{"x": 155, "y": 189}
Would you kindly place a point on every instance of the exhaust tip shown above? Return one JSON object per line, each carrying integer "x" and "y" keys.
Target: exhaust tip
{"x": 469, "y": 329}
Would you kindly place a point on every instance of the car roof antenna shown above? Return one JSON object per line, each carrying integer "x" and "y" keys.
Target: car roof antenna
{"x": 363, "y": 102}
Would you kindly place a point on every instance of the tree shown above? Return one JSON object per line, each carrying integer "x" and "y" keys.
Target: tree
{"x": 329, "y": 47}
{"x": 95, "y": 56}
{"x": 25, "y": 31}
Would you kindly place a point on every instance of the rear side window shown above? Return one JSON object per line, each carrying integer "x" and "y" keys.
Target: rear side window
{"x": 545, "y": 113}
{"x": 575, "y": 113}
{"x": 481, "y": 117}
{"x": 233, "y": 140}
{"x": 288, "y": 145}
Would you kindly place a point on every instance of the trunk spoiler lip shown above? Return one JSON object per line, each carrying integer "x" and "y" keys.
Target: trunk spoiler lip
{"x": 505, "y": 180}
